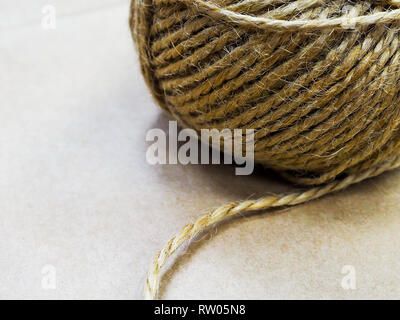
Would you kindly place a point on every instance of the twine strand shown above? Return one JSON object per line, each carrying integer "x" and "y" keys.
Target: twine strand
{"x": 269, "y": 24}
{"x": 190, "y": 230}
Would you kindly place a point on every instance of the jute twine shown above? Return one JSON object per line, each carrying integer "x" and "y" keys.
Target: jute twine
{"x": 316, "y": 79}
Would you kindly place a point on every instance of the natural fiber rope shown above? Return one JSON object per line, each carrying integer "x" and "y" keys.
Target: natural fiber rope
{"x": 217, "y": 12}
{"x": 190, "y": 230}
{"x": 316, "y": 79}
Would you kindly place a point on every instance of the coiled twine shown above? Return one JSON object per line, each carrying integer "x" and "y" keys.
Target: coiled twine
{"x": 316, "y": 79}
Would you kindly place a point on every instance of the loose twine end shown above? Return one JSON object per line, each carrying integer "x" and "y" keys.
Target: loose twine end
{"x": 189, "y": 231}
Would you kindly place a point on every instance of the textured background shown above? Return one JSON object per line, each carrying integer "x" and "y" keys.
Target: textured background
{"x": 76, "y": 191}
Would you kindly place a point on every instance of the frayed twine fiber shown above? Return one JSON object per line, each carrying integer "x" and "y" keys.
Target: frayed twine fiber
{"x": 316, "y": 79}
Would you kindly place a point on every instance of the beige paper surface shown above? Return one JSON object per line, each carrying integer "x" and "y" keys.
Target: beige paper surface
{"x": 77, "y": 194}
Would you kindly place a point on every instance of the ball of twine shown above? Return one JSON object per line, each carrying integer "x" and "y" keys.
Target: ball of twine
{"x": 316, "y": 79}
